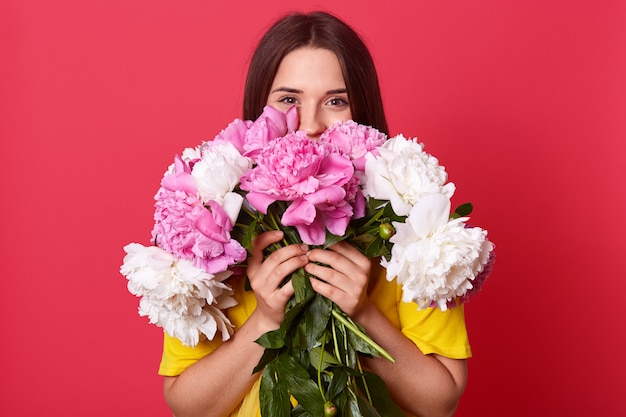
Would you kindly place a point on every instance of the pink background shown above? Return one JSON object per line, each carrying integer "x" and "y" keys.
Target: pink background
{"x": 524, "y": 102}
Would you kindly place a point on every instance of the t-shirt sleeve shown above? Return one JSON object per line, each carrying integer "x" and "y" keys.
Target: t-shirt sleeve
{"x": 432, "y": 330}
{"x": 178, "y": 357}
{"x": 436, "y": 331}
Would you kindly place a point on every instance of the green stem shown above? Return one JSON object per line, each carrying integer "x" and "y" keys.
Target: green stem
{"x": 335, "y": 340}
{"x": 319, "y": 368}
{"x": 256, "y": 216}
{"x": 362, "y": 335}
{"x": 374, "y": 218}
{"x": 367, "y": 389}
{"x": 265, "y": 225}
{"x": 345, "y": 345}
{"x": 277, "y": 225}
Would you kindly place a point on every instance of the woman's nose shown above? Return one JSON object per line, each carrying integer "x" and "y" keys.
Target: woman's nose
{"x": 311, "y": 122}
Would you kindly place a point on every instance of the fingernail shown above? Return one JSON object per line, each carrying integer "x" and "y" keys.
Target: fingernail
{"x": 304, "y": 247}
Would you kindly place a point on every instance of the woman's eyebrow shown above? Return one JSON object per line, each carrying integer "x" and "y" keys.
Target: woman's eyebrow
{"x": 287, "y": 90}
{"x": 296, "y": 91}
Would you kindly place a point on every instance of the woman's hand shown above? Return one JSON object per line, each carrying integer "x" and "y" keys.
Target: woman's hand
{"x": 217, "y": 383}
{"x": 344, "y": 281}
{"x": 267, "y": 275}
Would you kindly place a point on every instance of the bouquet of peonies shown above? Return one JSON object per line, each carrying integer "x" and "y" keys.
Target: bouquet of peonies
{"x": 386, "y": 196}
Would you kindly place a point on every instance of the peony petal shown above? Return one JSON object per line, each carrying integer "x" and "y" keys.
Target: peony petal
{"x": 291, "y": 117}
{"x": 299, "y": 212}
{"x": 359, "y": 206}
{"x": 180, "y": 179}
{"x": 431, "y": 211}
{"x": 306, "y": 186}
{"x": 260, "y": 201}
{"x": 219, "y": 170}
{"x": 337, "y": 225}
{"x": 276, "y": 123}
{"x": 207, "y": 225}
{"x": 235, "y": 133}
{"x": 232, "y": 206}
{"x": 328, "y": 195}
{"x": 313, "y": 234}
{"x": 335, "y": 169}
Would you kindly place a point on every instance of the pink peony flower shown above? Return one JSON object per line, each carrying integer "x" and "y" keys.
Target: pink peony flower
{"x": 354, "y": 140}
{"x": 235, "y": 133}
{"x": 271, "y": 124}
{"x": 189, "y": 230}
{"x": 297, "y": 169}
{"x": 180, "y": 179}
{"x": 355, "y": 193}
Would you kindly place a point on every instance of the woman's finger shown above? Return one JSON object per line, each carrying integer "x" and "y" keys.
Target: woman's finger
{"x": 348, "y": 266}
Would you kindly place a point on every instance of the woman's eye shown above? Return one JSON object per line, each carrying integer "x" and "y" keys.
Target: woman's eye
{"x": 288, "y": 100}
{"x": 337, "y": 101}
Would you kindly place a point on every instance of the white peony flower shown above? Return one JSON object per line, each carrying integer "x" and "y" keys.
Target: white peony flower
{"x": 232, "y": 206}
{"x": 218, "y": 171}
{"x": 403, "y": 173}
{"x": 435, "y": 258}
{"x": 191, "y": 154}
{"x": 175, "y": 295}
{"x": 188, "y": 155}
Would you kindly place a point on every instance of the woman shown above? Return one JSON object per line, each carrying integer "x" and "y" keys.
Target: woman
{"x": 319, "y": 64}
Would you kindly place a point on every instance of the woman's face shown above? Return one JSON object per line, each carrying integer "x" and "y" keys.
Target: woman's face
{"x": 311, "y": 79}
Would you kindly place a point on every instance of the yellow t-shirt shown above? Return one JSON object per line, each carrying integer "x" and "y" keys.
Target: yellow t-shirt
{"x": 432, "y": 330}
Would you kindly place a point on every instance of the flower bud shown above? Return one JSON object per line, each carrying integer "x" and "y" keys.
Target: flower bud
{"x": 330, "y": 409}
{"x": 385, "y": 231}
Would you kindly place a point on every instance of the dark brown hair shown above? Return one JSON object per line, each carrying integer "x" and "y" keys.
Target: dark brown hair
{"x": 319, "y": 30}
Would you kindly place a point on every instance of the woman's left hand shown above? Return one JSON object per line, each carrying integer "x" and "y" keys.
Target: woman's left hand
{"x": 343, "y": 277}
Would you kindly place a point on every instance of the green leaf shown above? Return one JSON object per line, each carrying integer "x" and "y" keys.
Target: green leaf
{"x": 274, "y": 339}
{"x": 377, "y": 247}
{"x": 464, "y": 210}
{"x": 299, "y": 339}
{"x": 250, "y": 234}
{"x": 364, "y": 238}
{"x": 361, "y": 345}
{"x": 299, "y": 383}
{"x": 327, "y": 360}
{"x": 268, "y": 356}
{"x": 381, "y": 399}
{"x": 291, "y": 234}
{"x": 338, "y": 384}
{"x": 316, "y": 316}
{"x": 273, "y": 394}
{"x": 298, "y": 411}
{"x": 341, "y": 401}
{"x": 331, "y": 239}
{"x": 374, "y": 204}
{"x": 366, "y": 408}
{"x": 302, "y": 286}
{"x": 291, "y": 314}
{"x": 353, "y": 409}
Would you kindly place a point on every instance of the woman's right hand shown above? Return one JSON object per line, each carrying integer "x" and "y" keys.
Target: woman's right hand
{"x": 267, "y": 275}
{"x": 215, "y": 384}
